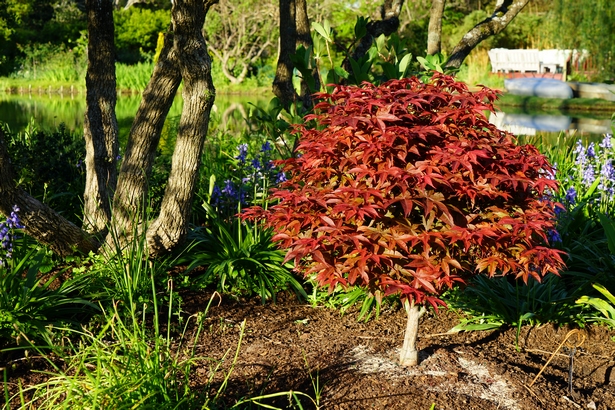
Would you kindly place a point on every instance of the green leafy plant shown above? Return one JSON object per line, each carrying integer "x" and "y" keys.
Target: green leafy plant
{"x": 604, "y": 306}
{"x": 32, "y": 303}
{"x": 240, "y": 259}
{"x": 407, "y": 189}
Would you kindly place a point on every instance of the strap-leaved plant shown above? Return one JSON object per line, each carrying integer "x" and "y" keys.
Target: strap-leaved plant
{"x": 406, "y": 188}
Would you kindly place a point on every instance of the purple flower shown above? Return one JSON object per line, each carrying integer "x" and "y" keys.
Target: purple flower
{"x": 571, "y": 195}
{"x": 6, "y": 234}
{"x": 591, "y": 151}
{"x": 588, "y": 175}
{"x": 280, "y": 177}
{"x": 554, "y": 236}
{"x": 266, "y": 147}
{"x": 256, "y": 164}
{"x": 243, "y": 153}
{"x": 606, "y": 142}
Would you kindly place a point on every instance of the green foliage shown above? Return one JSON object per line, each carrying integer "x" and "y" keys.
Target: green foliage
{"x": 50, "y": 166}
{"x": 136, "y": 32}
{"x": 606, "y": 307}
{"x": 240, "y": 259}
{"x": 128, "y": 363}
{"x": 491, "y": 303}
{"x": 580, "y": 27}
{"x": 407, "y": 189}
{"x": 31, "y": 302}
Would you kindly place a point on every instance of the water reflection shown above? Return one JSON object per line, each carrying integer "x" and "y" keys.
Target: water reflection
{"x": 530, "y": 124}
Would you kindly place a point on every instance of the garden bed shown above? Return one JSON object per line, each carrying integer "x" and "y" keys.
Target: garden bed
{"x": 291, "y": 345}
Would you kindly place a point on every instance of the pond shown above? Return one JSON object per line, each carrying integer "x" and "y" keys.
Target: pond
{"x": 47, "y": 112}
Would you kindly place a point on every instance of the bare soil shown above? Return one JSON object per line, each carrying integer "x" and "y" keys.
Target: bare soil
{"x": 293, "y": 346}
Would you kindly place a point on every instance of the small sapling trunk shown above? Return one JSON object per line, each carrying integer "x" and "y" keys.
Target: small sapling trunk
{"x": 409, "y": 355}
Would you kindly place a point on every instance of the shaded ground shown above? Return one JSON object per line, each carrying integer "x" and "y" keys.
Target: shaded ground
{"x": 292, "y": 346}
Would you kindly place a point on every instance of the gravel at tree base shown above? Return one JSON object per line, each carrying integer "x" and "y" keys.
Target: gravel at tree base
{"x": 290, "y": 346}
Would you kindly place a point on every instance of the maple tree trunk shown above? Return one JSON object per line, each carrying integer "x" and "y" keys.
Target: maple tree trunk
{"x": 505, "y": 11}
{"x": 408, "y": 355}
{"x": 100, "y": 128}
{"x": 171, "y": 226}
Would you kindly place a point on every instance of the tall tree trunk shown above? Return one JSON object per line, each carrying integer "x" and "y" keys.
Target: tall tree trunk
{"x": 283, "y": 81}
{"x": 434, "y": 33}
{"x": 41, "y": 222}
{"x": 132, "y": 187}
{"x": 304, "y": 38}
{"x": 505, "y": 11}
{"x": 100, "y": 125}
{"x": 171, "y": 226}
{"x": 387, "y": 25}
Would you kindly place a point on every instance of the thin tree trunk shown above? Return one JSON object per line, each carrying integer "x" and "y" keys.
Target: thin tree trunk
{"x": 158, "y": 96}
{"x": 41, "y": 222}
{"x": 408, "y": 355}
{"x": 100, "y": 125}
{"x": 171, "y": 226}
{"x": 505, "y": 11}
{"x": 434, "y": 36}
{"x": 283, "y": 81}
{"x": 304, "y": 38}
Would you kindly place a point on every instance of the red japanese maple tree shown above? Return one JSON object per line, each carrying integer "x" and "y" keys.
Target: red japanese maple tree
{"x": 406, "y": 188}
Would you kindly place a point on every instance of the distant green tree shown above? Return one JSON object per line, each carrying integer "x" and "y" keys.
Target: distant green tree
{"x": 136, "y": 32}
{"x": 588, "y": 26}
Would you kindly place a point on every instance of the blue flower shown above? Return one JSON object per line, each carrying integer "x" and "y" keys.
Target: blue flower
{"x": 256, "y": 164}
{"x": 606, "y": 142}
{"x": 591, "y": 151}
{"x": 280, "y": 177}
{"x": 571, "y": 196}
{"x": 266, "y": 147}
{"x": 588, "y": 175}
{"x": 554, "y": 236}
{"x": 243, "y": 153}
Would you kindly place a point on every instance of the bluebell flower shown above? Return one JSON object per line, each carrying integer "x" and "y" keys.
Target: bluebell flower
{"x": 280, "y": 177}
{"x": 606, "y": 142}
{"x": 554, "y": 236}
{"x": 591, "y": 151}
{"x": 589, "y": 175}
{"x": 243, "y": 153}
{"x": 571, "y": 195}
{"x": 579, "y": 147}
{"x": 266, "y": 147}
{"x": 7, "y": 236}
{"x": 256, "y": 164}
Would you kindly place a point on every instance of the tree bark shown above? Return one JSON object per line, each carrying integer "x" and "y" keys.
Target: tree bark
{"x": 41, "y": 222}
{"x": 100, "y": 125}
{"x": 283, "y": 81}
{"x": 434, "y": 33}
{"x": 132, "y": 188}
{"x": 387, "y": 25}
{"x": 171, "y": 226}
{"x": 304, "y": 38}
{"x": 505, "y": 11}
{"x": 408, "y": 355}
